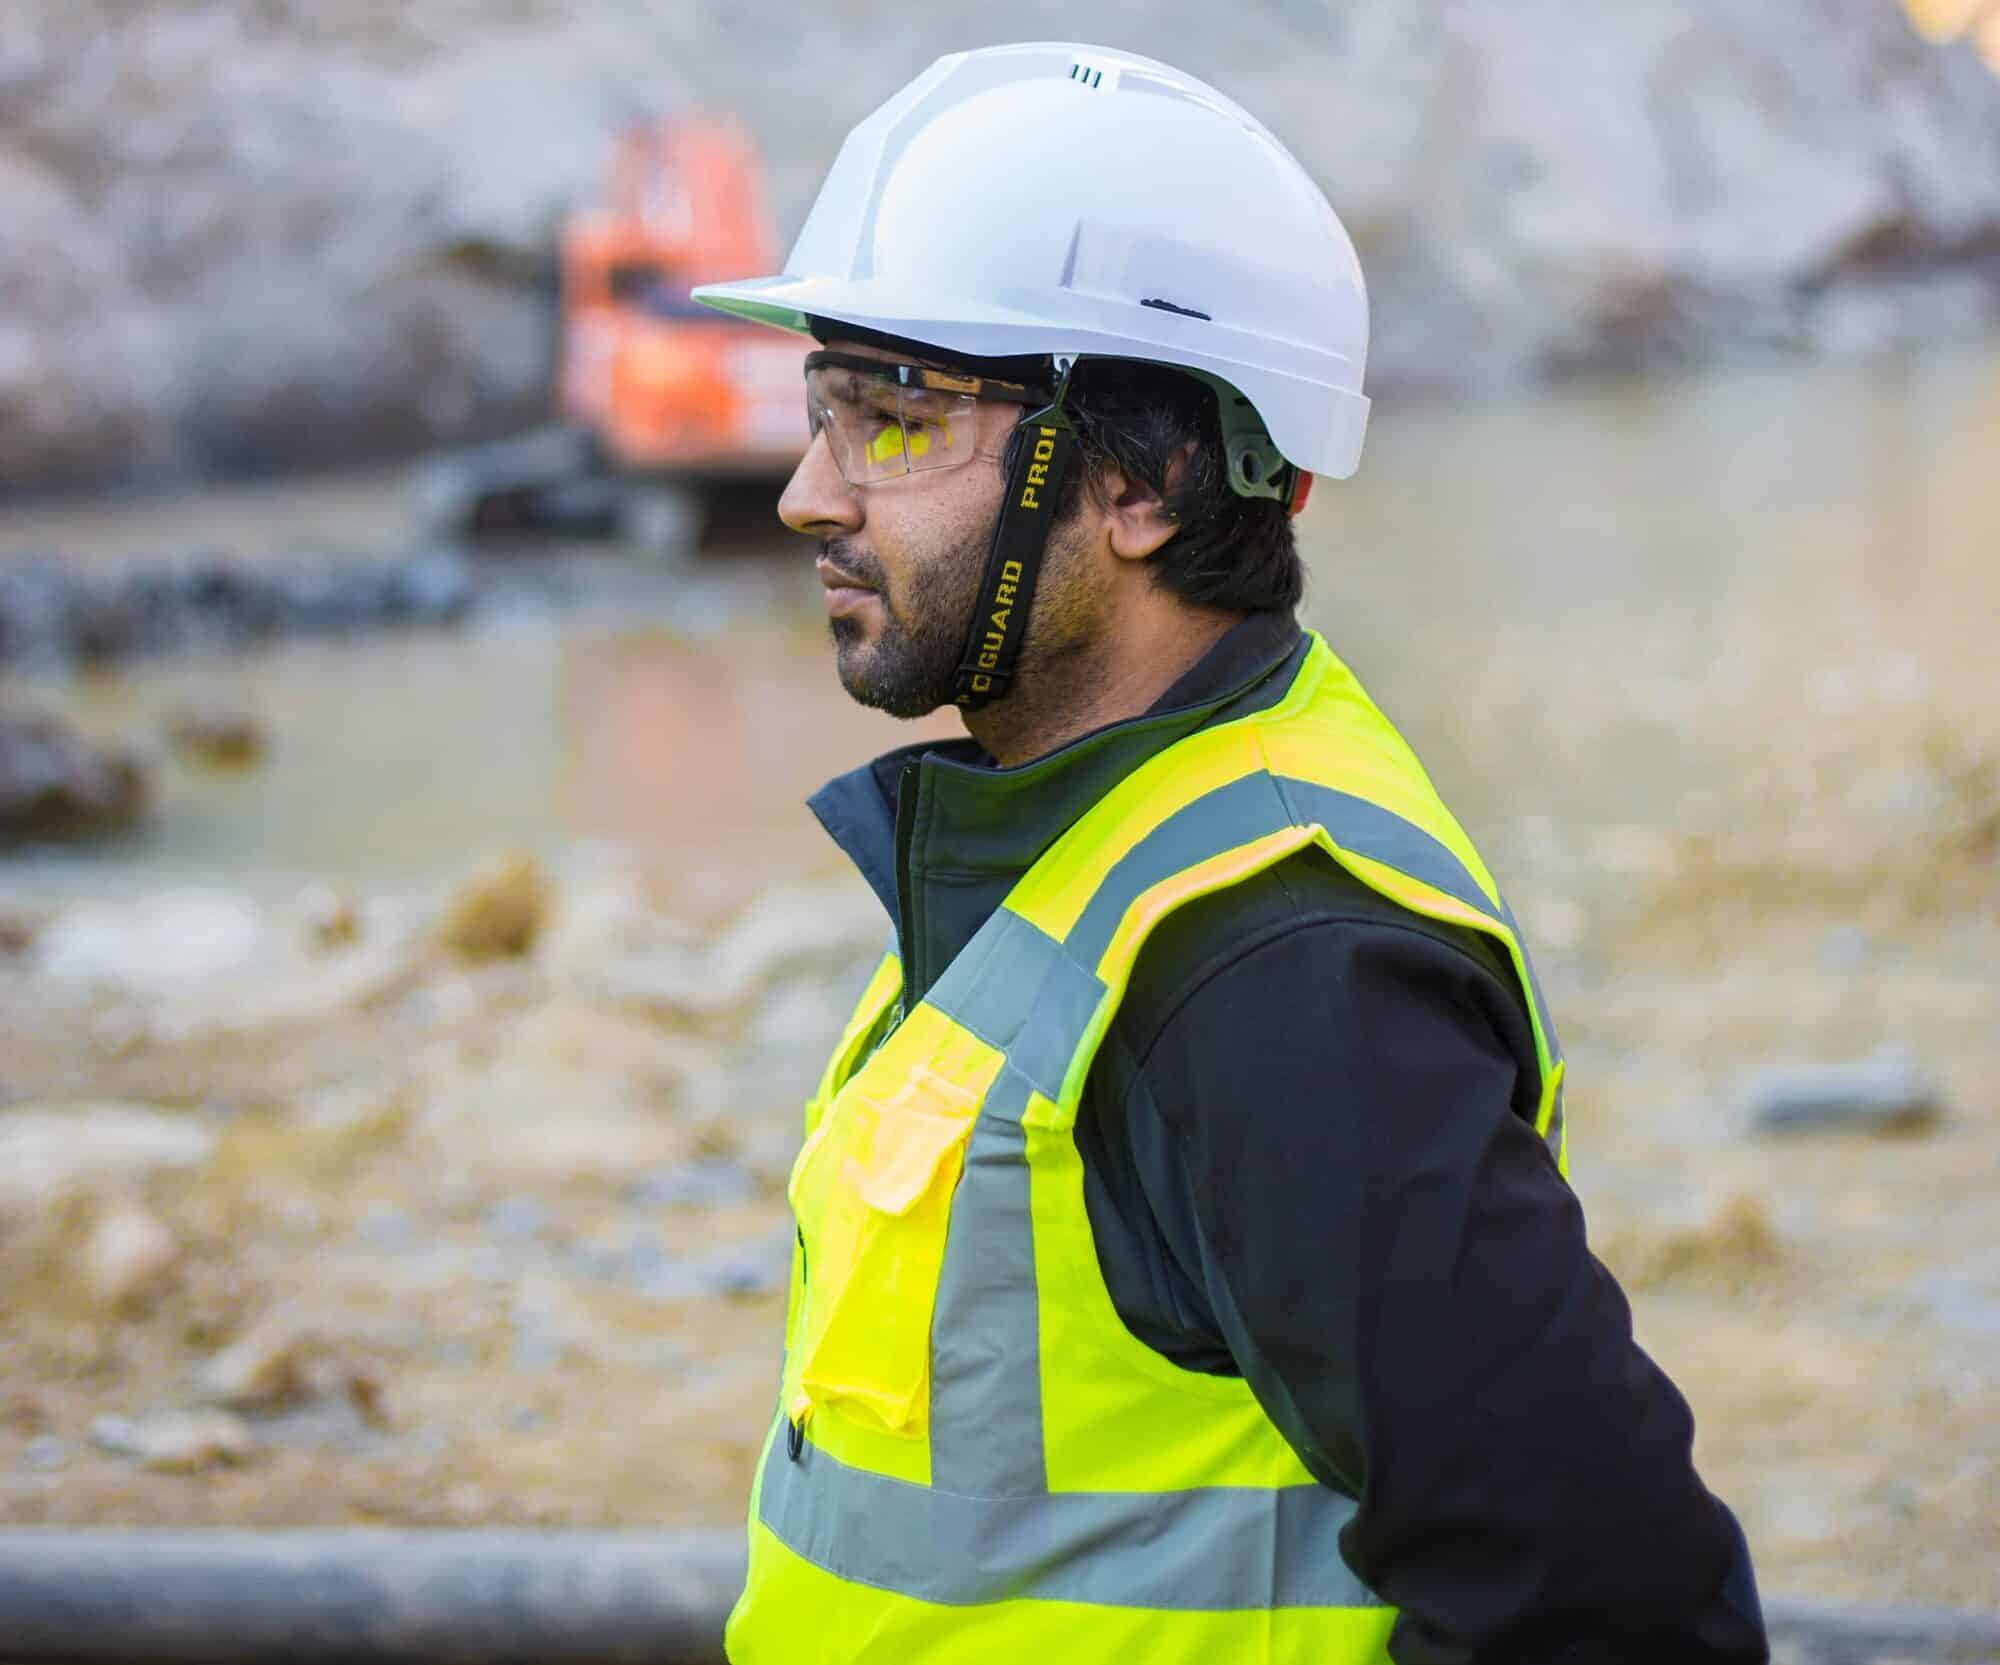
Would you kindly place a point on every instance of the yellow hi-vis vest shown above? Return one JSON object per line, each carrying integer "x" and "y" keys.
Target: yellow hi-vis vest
{"x": 973, "y": 1459}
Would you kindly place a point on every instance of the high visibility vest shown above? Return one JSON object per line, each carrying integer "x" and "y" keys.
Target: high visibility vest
{"x": 973, "y": 1459}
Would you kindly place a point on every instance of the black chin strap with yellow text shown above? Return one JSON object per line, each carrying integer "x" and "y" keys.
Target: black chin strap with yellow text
{"x": 1020, "y": 537}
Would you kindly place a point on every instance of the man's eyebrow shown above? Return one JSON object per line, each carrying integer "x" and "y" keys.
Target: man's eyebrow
{"x": 855, "y": 386}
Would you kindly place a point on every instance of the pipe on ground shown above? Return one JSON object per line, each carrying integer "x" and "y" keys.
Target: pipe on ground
{"x": 365, "y": 1595}
{"x": 496, "y": 1597}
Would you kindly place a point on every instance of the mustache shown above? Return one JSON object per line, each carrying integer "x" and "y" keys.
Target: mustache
{"x": 851, "y": 561}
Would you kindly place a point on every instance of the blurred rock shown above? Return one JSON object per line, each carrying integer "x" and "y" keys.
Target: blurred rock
{"x": 45, "y": 1454}
{"x": 20, "y": 925}
{"x": 35, "y": 592}
{"x": 1737, "y": 1242}
{"x": 176, "y": 1442}
{"x": 748, "y": 1271}
{"x": 606, "y": 918}
{"x": 432, "y": 588}
{"x": 130, "y": 1257}
{"x": 367, "y": 1394}
{"x": 287, "y": 995}
{"x": 545, "y": 1143}
{"x": 223, "y": 737}
{"x": 1886, "y": 1092}
{"x": 166, "y": 943}
{"x": 263, "y": 1369}
{"x": 48, "y": 1152}
{"x": 497, "y": 912}
{"x": 705, "y": 1182}
{"x": 795, "y": 929}
{"x": 792, "y": 931}
{"x": 55, "y": 784}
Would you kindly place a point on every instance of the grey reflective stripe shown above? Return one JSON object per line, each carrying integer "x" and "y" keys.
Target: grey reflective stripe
{"x": 1252, "y": 807}
{"x": 1258, "y": 804}
{"x": 1220, "y": 820}
{"x": 1210, "y": 1549}
{"x": 1381, "y": 835}
{"x": 1022, "y": 993}
{"x": 986, "y": 1374}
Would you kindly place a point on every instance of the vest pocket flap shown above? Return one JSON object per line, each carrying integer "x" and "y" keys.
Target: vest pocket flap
{"x": 909, "y": 1146}
{"x": 873, "y": 1192}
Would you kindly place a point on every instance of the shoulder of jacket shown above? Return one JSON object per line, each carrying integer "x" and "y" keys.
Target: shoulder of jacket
{"x": 1306, "y": 893}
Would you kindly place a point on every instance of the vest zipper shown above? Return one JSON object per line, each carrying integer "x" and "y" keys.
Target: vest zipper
{"x": 907, "y": 786}
{"x": 795, "y": 1430}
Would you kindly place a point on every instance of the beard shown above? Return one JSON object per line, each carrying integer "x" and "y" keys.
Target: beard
{"x": 910, "y": 667}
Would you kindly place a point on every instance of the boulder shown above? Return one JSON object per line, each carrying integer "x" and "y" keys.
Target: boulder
{"x": 170, "y": 943}
{"x": 52, "y": 1151}
{"x": 499, "y": 910}
{"x": 54, "y": 784}
{"x": 261, "y": 1370}
{"x": 130, "y": 1257}
{"x": 176, "y": 1442}
{"x": 1888, "y": 1091}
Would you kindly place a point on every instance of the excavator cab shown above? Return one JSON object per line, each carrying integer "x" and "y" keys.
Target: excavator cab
{"x": 660, "y": 400}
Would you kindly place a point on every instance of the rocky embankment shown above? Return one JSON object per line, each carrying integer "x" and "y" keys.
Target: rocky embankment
{"x": 56, "y": 613}
{"x": 240, "y": 237}
{"x": 356, "y": 1207}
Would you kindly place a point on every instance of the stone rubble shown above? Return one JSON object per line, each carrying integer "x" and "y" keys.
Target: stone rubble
{"x": 130, "y": 1258}
{"x": 55, "y": 784}
{"x": 52, "y": 1151}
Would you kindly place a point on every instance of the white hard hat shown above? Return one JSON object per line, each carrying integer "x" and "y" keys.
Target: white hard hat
{"x": 1074, "y": 200}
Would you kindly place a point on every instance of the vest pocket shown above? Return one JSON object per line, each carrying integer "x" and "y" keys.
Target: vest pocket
{"x": 872, "y": 1193}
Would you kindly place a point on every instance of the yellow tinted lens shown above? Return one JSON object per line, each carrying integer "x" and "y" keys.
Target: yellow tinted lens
{"x": 892, "y": 446}
{"x": 878, "y": 430}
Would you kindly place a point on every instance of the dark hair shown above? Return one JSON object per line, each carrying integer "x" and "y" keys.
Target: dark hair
{"x": 1229, "y": 552}
{"x": 1234, "y": 553}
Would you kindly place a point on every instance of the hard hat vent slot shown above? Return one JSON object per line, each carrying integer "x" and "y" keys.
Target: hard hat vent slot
{"x": 1085, "y": 74}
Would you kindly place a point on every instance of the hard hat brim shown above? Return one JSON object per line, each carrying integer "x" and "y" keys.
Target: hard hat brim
{"x": 1316, "y": 424}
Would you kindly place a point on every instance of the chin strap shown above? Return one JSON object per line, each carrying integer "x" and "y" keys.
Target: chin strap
{"x": 1020, "y": 537}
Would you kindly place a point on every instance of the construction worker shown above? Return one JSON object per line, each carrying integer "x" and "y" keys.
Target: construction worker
{"x": 1185, "y": 1267}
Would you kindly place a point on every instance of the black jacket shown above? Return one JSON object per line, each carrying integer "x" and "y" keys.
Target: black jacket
{"x": 1309, "y": 1160}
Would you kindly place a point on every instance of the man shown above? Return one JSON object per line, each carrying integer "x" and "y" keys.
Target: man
{"x": 1185, "y": 1269}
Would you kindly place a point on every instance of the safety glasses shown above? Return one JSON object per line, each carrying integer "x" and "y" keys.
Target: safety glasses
{"x": 883, "y": 420}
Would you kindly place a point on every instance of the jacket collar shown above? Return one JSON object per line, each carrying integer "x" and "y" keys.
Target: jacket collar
{"x": 954, "y": 814}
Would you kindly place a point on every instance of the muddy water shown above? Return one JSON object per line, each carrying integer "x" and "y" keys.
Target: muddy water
{"x": 1556, "y": 595}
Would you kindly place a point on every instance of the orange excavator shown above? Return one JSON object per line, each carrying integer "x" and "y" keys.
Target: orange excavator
{"x": 660, "y": 400}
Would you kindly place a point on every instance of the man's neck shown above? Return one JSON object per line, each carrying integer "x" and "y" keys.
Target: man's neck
{"x": 1062, "y": 698}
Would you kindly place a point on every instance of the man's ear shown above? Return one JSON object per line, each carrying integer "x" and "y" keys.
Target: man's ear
{"x": 1135, "y": 515}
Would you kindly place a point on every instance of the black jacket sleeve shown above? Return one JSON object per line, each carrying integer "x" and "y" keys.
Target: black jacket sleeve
{"x": 1326, "y": 1121}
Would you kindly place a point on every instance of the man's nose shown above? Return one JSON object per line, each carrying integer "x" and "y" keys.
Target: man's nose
{"x": 817, "y": 500}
